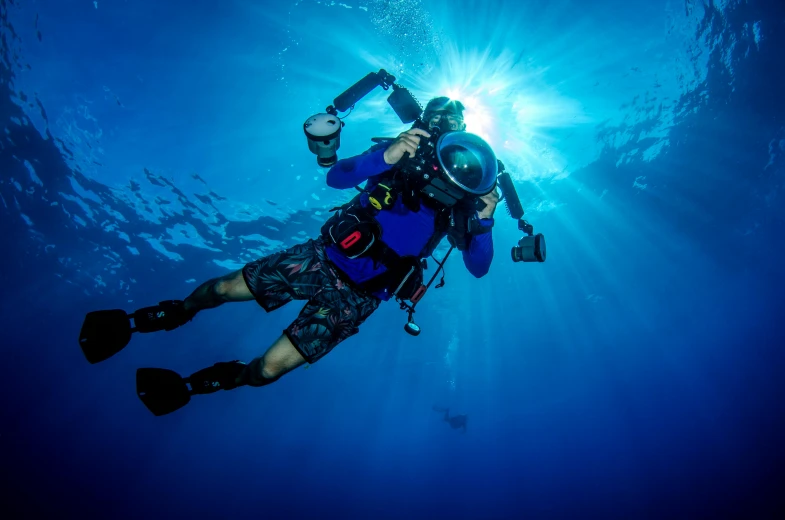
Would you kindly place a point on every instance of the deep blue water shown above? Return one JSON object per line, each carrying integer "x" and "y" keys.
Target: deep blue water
{"x": 637, "y": 374}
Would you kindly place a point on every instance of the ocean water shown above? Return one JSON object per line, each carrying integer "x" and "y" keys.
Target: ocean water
{"x": 148, "y": 146}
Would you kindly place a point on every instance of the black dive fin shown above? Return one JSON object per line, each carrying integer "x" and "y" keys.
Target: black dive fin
{"x": 161, "y": 390}
{"x": 167, "y": 315}
{"x": 220, "y": 376}
{"x": 104, "y": 334}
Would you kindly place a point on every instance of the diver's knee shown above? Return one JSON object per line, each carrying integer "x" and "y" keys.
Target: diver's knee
{"x": 226, "y": 286}
{"x": 261, "y": 373}
{"x": 271, "y": 372}
{"x": 222, "y": 288}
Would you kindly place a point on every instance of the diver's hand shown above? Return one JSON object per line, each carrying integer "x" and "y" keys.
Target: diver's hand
{"x": 490, "y": 200}
{"x": 407, "y": 142}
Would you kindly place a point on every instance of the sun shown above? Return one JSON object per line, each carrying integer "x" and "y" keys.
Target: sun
{"x": 509, "y": 105}
{"x": 477, "y": 115}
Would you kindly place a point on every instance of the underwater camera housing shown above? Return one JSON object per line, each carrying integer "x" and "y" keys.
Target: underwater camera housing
{"x": 424, "y": 167}
{"x": 323, "y": 130}
{"x": 442, "y": 165}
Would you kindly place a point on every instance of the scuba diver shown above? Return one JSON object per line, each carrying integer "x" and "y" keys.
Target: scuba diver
{"x": 456, "y": 421}
{"x": 370, "y": 250}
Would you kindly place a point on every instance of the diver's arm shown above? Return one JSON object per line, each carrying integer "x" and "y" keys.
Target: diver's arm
{"x": 378, "y": 159}
{"x": 478, "y": 256}
{"x": 352, "y": 171}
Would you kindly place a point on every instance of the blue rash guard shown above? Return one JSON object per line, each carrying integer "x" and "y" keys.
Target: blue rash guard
{"x": 406, "y": 232}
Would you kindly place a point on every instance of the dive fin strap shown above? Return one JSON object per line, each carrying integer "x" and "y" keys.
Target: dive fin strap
{"x": 221, "y": 376}
{"x": 167, "y": 315}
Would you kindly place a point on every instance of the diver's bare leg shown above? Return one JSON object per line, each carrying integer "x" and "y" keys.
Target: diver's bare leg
{"x": 279, "y": 359}
{"x": 212, "y": 293}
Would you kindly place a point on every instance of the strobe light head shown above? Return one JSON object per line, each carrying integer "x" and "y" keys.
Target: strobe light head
{"x": 530, "y": 249}
{"x": 324, "y": 137}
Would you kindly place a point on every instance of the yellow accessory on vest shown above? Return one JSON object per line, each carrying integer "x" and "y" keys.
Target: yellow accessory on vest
{"x": 381, "y": 189}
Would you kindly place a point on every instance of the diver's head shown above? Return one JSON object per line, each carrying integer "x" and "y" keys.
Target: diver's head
{"x": 444, "y": 113}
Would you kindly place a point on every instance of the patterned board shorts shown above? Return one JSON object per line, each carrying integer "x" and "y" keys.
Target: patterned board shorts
{"x": 334, "y": 309}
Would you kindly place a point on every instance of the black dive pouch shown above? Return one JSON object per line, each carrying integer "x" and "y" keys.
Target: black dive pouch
{"x": 410, "y": 273}
{"x": 402, "y": 278}
{"x": 352, "y": 231}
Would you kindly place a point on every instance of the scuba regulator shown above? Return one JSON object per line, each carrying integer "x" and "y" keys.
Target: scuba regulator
{"x": 440, "y": 171}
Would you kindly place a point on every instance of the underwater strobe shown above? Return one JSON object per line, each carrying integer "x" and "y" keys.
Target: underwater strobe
{"x": 324, "y": 137}
{"x": 530, "y": 248}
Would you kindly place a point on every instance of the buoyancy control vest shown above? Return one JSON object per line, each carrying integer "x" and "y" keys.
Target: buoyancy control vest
{"x": 356, "y": 232}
